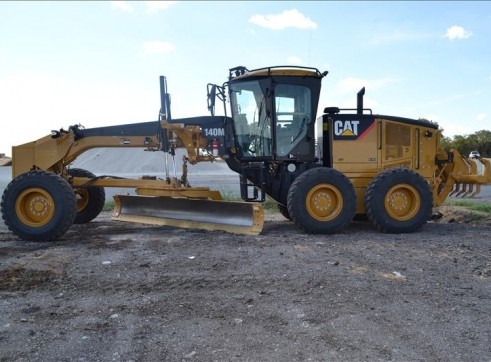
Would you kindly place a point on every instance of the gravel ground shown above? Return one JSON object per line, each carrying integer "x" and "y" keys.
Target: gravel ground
{"x": 114, "y": 291}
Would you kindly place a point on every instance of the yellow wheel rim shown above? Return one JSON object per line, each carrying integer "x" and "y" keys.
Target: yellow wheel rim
{"x": 324, "y": 202}
{"x": 402, "y": 202}
{"x": 35, "y": 207}
{"x": 82, "y": 198}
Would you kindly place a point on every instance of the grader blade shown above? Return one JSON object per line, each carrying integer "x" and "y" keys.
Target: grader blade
{"x": 233, "y": 217}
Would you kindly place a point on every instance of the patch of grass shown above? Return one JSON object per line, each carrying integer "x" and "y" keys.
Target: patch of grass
{"x": 269, "y": 204}
{"x": 108, "y": 206}
{"x": 471, "y": 205}
{"x": 477, "y": 217}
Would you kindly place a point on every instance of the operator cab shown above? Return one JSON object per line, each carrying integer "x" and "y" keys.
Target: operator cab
{"x": 273, "y": 112}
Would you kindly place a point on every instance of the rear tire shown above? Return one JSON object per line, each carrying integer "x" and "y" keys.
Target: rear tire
{"x": 398, "y": 200}
{"x": 38, "y": 206}
{"x": 322, "y": 200}
{"x": 90, "y": 200}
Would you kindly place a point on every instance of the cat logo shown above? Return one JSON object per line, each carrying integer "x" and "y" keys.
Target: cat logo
{"x": 346, "y": 128}
{"x": 352, "y": 129}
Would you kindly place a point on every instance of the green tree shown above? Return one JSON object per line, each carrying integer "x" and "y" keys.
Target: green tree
{"x": 483, "y": 139}
{"x": 479, "y": 141}
{"x": 446, "y": 143}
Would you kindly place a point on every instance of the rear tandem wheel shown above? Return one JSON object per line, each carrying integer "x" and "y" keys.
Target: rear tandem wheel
{"x": 38, "y": 206}
{"x": 398, "y": 200}
{"x": 322, "y": 200}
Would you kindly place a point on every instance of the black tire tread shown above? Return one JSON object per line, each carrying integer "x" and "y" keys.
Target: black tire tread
{"x": 373, "y": 201}
{"x": 97, "y": 198}
{"x": 63, "y": 188}
{"x": 314, "y": 176}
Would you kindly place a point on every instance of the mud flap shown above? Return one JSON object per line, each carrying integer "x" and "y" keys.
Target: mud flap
{"x": 233, "y": 217}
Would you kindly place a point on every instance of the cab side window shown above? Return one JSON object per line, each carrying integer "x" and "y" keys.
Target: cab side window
{"x": 293, "y": 112}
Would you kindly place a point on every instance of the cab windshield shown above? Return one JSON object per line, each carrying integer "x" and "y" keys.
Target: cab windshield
{"x": 252, "y": 120}
{"x": 260, "y": 117}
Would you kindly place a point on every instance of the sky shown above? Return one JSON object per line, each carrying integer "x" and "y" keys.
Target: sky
{"x": 97, "y": 63}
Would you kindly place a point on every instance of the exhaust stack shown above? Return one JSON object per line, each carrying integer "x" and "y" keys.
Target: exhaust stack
{"x": 359, "y": 101}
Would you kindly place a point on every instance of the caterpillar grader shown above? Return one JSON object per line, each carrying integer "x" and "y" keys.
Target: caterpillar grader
{"x": 322, "y": 172}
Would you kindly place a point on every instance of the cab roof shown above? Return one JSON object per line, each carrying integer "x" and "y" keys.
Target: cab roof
{"x": 281, "y": 70}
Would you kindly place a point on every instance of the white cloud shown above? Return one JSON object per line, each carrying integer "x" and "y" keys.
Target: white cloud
{"x": 452, "y": 129}
{"x": 157, "y": 47}
{"x": 457, "y": 32}
{"x": 481, "y": 116}
{"x": 351, "y": 84}
{"x": 155, "y": 6}
{"x": 294, "y": 60}
{"x": 121, "y": 5}
{"x": 287, "y": 19}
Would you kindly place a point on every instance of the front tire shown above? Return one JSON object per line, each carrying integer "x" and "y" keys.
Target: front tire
{"x": 322, "y": 200}
{"x": 398, "y": 200}
{"x": 38, "y": 206}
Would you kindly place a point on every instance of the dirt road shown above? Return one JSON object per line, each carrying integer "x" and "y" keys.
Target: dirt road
{"x": 112, "y": 291}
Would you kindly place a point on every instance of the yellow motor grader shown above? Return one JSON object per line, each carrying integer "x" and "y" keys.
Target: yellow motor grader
{"x": 321, "y": 172}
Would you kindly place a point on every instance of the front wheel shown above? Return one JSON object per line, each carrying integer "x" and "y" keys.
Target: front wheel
{"x": 322, "y": 200}
{"x": 38, "y": 206}
{"x": 398, "y": 200}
